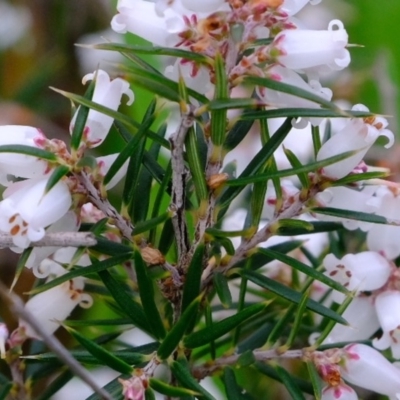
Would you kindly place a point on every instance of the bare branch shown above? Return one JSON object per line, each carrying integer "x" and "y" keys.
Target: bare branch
{"x": 56, "y": 239}
{"x": 17, "y": 306}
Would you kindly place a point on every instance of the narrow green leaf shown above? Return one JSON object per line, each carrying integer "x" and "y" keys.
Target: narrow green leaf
{"x": 130, "y": 308}
{"x": 161, "y": 194}
{"x": 218, "y": 329}
{"x": 219, "y": 117}
{"x": 238, "y": 132}
{"x": 145, "y": 226}
{"x": 296, "y": 163}
{"x": 160, "y": 85}
{"x": 145, "y": 179}
{"x": 290, "y": 384}
{"x": 291, "y": 295}
{"x": 52, "y": 388}
{"x": 241, "y": 181}
{"x": 257, "y": 162}
{"x": 182, "y": 373}
{"x": 195, "y": 165}
{"x": 5, "y": 389}
{"x": 309, "y": 271}
{"x": 127, "y": 126}
{"x": 191, "y": 288}
{"x": 271, "y": 372}
{"x": 167, "y": 237}
{"x": 109, "y": 247}
{"x": 149, "y": 394}
{"x": 356, "y": 215}
{"x": 291, "y": 227}
{"x": 29, "y": 151}
{"x": 146, "y": 291}
{"x": 298, "y": 320}
{"x": 303, "y": 112}
{"x": 127, "y": 356}
{"x": 103, "y": 355}
{"x": 154, "y": 50}
{"x": 55, "y": 177}
{"x": 225, "y": 103}
{"x": 233, "y": 390}
{"x": 94, "y": 268}
{"x": 259, "y": 259}
{"x": 83, "y": 112}
{"x": 361, "y": 177}
{"x": 222, "y": 288}
{"x": 129, "y": 150}
{"x": 169, "y": 390}
{"x": 21, "y": 265}
{"x": 316, "y": 138}
{"x": 315, "y": 380}
{"x": 293, "y": 90}
{"x": 175, "y": 335}
{"x": 114, "y": 388}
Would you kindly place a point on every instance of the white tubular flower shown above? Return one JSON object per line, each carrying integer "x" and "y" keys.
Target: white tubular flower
{"x": 105, "y": 163}
{"x": 161, "y": 30}
{"x": 68, "y": 223}
{"x": 367, "y": 368}
{"x": 54, "y": 305}
{"x": 107, "y": 93}
{"x": 360, "y": 272}
{"x": 387, "y": 306}
{"x": 339, "y": 392}
{"x": 385, "y": 238}
{"x": 198, "y": 80}
{"x": 363, "y": 321}
{"x": 357, "y": 135}
{"x": 204, "y": 6}
{"x": 279, "y": 99}
{"x": 347, "y": 199}
{"x": 291, "y": 7}
{"x": 21, "y": 165}
{"x": 27, "y": 210}
{"x": 301, "y": 49}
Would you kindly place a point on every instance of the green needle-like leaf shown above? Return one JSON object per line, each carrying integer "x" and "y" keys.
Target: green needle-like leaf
{"x": 55, "y": 177}
{"x": 103, "y": 355}
{"x": 169, "y": 390}
{"x": 80, "y": 122}
{"x": 356, "y": 215}
{"x": 175, "y": 335}
{"x": 131, "y": 308}
{"x": 290, "y": 384}
{"x": 222, "y": 288}
{"x": 29, "y": 151}
{"x": 233, "y": 390}
{"x": 218, "y": 329}
{"x": 184, "y": 376}
{"x": 191, "y": 288}
{"x": 291, "y": 295}
{"x": 146, "y": 291}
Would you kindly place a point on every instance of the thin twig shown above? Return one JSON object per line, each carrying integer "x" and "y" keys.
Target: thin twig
{"x": 57, "y": 239}
{"x": 17, "y": 306}
{"x": 104, "y": 205}
{"x": 179, "y": 173}
{"x": 207, "y": 369}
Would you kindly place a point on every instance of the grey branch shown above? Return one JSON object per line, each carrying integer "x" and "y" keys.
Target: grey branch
{"x": 56, "y": 239}
{"x": 17, "y": 306}
{"x": 207, "y": 369}
{"x": 104, "y": 205}
{"x": 177, "y": 141}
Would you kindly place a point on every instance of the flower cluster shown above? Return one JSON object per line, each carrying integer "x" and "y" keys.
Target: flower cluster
{"x": 36, "y": 201}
